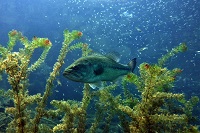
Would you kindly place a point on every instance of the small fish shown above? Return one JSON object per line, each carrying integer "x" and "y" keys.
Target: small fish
{"x": 138, "y": 29}
{"x": 97, "y": 68}
{"x": 198, "y": 52}
{"x": 142, "y": 49}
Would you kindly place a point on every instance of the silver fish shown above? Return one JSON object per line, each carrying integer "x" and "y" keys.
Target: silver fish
{"x": 95, "y": 68}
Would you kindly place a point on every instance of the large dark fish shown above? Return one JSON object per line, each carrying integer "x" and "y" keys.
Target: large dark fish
{"x": 95, "y": 68}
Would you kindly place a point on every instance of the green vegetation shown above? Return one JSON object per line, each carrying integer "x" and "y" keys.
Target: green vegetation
{"x": 155, "y": 110}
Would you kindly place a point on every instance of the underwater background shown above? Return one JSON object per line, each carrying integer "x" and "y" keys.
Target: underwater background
{"x": 142, "y": 29}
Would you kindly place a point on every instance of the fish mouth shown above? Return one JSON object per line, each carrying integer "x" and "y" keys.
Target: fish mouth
{"x": 66, "y": 73}
{"x": 72, "y": 75}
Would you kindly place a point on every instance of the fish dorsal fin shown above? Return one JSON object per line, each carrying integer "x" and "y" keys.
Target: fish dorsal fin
{"x": 111, "y": 55}
{"x": 95, "y": 54}
{"x": 114, "y": 56}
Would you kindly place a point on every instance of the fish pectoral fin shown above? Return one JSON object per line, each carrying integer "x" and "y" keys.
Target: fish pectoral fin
{"x": 95, "y": 85}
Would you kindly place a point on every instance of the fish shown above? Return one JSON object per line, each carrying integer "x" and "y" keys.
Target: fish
{"x": 138, "y": 29}
{"x": 97, "y": 68}
{"x": 142, "y": 49}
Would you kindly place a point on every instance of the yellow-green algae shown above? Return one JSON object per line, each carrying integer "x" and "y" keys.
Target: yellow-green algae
{"x": 153, "y": 112}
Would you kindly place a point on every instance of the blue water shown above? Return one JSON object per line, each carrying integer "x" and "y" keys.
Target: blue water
{"x": 145, "y": 29}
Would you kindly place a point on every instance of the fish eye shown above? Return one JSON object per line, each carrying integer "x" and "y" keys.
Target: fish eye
{"x": 79, "y": 67}
{"x": 75, "y": 67}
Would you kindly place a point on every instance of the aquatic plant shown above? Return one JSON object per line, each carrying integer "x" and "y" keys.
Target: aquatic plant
{"x": 17, "y": 66}
{"x": 154, "y": 111}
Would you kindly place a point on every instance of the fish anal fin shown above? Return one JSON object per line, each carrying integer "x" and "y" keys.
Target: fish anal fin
{"x": 118, "y": 81}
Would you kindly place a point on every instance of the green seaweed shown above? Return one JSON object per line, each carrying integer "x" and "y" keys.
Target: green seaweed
{"x": 154, "y": 109}
{"x": 17, "y": 66}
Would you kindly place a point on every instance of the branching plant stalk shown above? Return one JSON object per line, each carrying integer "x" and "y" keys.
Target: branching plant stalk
{"x": 69, "y": 37}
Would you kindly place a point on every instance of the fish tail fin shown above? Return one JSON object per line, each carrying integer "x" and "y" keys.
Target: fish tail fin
{"x": 132, "y": 64}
